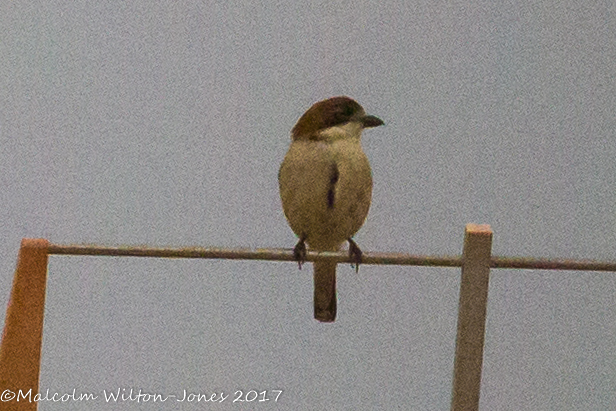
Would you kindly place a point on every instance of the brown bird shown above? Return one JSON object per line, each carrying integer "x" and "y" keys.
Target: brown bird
{"x": 326, "y": 188}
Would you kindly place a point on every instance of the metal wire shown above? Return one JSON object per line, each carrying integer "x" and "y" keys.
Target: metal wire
{"x": 368, "y": 258}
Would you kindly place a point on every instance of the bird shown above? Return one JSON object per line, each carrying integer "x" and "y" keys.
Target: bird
{"x": 325, "y": 184}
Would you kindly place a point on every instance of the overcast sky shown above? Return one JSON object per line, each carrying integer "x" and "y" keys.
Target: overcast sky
{"x": 164, "y": 124}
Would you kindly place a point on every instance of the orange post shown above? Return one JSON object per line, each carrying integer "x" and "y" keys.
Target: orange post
{"x": 20, "y": 352}
{"x": 476, "y": 260}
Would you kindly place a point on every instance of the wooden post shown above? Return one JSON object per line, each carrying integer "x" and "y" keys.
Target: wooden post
{"x": 471, "y": 317}
{"x": 20, "y": 352}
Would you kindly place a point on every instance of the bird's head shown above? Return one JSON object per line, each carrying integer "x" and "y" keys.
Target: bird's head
{"x": 336, "y": 117}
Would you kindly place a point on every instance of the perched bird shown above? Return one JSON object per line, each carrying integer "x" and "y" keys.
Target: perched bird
{"x": 326, "y": 188}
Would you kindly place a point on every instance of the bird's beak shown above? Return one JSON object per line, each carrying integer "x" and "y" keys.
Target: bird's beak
{"x": 371, "y": 121}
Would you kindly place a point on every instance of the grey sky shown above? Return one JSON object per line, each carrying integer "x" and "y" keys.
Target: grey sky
{"x": 164, "y": 124}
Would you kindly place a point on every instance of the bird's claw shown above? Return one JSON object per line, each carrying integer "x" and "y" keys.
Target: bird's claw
{"x": 354, "y": 254}
{"x": 299, "y": 252}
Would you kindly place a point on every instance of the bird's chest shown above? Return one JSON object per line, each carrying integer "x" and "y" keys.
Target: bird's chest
{"x": 336, "y": 175}
{"x": 326, "y": 189}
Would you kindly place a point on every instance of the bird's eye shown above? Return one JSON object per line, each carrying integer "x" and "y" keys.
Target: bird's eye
{"x": 348, "y": 110}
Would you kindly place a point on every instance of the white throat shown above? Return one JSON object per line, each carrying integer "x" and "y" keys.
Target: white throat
{"x": 351, "y": 130}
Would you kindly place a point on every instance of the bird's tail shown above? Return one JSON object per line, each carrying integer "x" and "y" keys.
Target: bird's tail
{"x": 325, "y": 291}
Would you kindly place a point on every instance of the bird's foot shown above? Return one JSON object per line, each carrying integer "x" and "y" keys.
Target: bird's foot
{"x": 299, "y": 252}
{"x": 354, "y": 254}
